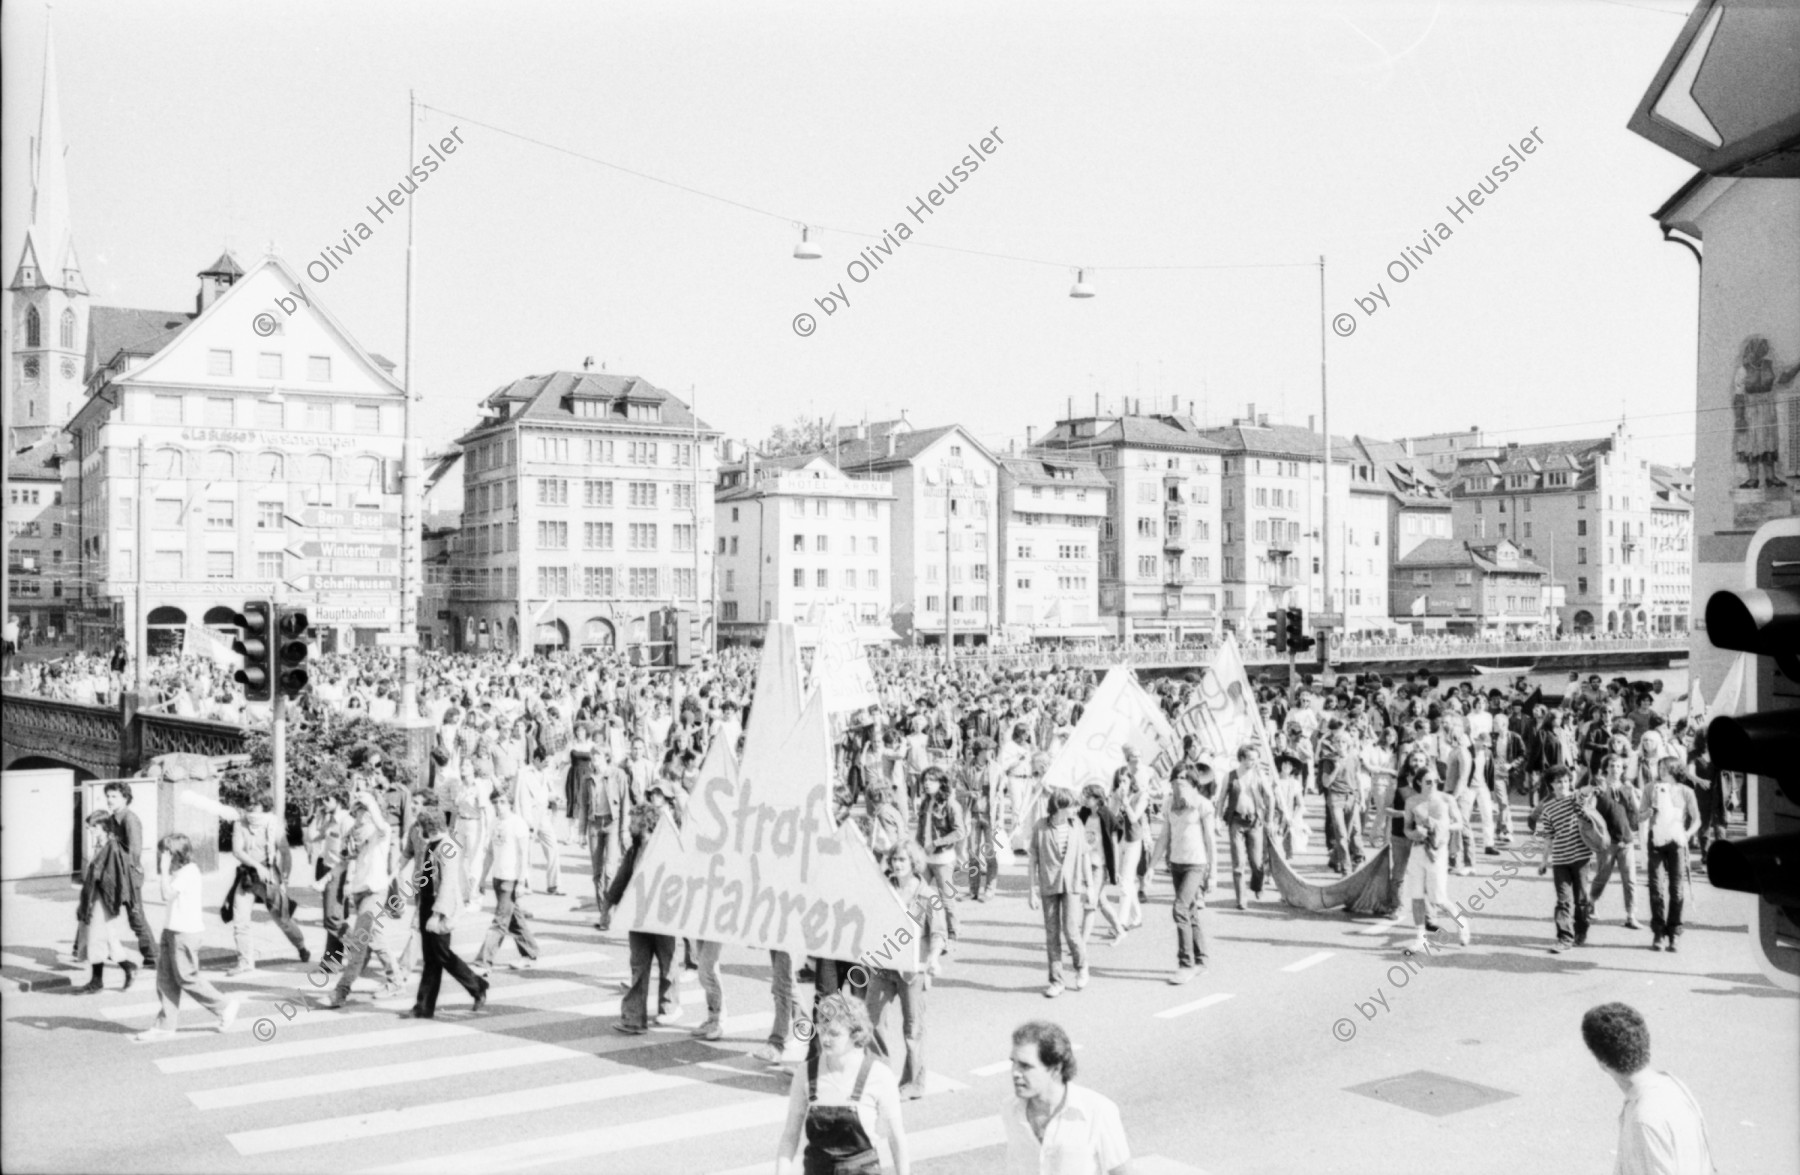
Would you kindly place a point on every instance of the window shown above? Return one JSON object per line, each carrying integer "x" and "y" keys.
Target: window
{"x": 268, "y": 365}
{"x": 318, "y": 417}
{"x": 165, "y": 410}
{"x": 643, "y": 581}
{"x": 820, "y": 506}
{"x": 1146, "y": 567}
{"x": 599, "y": 583}
{"x": 269, "y": 414}
{"x": 683, "y": 537}
{"x": 799, "y": 577}
{"x": 734, "y": 542}
{"x": 553, "y": 491}
{"x": 221, "y": 565}
{"x": 647, "y": 412}
{"x": 588, "y": 407}
{"x": 318, "y": 368}
{"x": 269, "y": 565}
{"x": 799, "y": 542}
{"x": 643, "y": 536}
{"x": 218, "y": 412}
{"x": 221, "y": 515}
{"x": 66, "y": 334}
{"x": 642, "y": 494}
{"x": 1024, "y": 551}
{"x": 1581, "y": 555}
{"x": 218, "y": 363}
{"x": 871, "y": 509}
{"x": 553, "y": 581}
{"x": 597, "y": 536}
{"x": 874, "y": 577}
{"x": 874, "y": 543}
{"x": 367, "y": 419}
{"x": 165, "y": 514}
{"x": 822, "y": 578}
{"x": 1421, "y": 578}
{"x": 1464, "y": 578}
{"x": 599, "y": 452}
{"x": 684, "y": 495}
{"x": 684, "y": 583}
{"x": 553, "y": 535}
{"x": 597, "y": 493}
{"x": 553, "y": 449}
{"x": 165, "y": 565}
{"x": 934, "y": 603}
{"x": 641, "y": 452}
{"x": 822, "y": 543}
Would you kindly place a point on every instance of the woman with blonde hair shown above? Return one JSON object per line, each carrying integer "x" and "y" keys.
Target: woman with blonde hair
{"x": 842, "y": 1099}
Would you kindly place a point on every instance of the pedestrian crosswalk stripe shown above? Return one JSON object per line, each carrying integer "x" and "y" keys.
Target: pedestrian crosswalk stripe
{"x": 410, "y": 1034}
{"x": 522, "y": 1154}
{"x": 990, "y": 1070}
{"x": 937, "y": 1143}
{"x": 1184, "y": 1009}
{"x": 1381, "y": 927}
{"x": 1309, "y": 961}
{"x": 341, "y": 1080}
{"x": 299, "y": 1135}
{"x": 301, "y": 998}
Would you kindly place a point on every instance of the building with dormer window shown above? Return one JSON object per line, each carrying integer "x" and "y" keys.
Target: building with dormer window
{"x": 587, "y": 503}
{"x": 1471, "y": 589}
{"x": 1584, "y": 509}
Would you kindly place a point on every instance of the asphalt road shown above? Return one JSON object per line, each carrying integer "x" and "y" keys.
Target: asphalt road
{"x": 1310, "y": 1044}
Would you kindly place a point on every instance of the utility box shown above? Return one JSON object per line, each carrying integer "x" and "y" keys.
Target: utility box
{"x": 37, "y": 823}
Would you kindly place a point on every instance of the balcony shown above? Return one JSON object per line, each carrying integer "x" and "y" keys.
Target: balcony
{"x": 1174, "y": 543}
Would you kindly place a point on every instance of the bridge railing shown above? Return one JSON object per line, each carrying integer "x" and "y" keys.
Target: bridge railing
{"x": 1355, "y": 651}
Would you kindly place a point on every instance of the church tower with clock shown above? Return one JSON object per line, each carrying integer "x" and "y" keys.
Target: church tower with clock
{"x": 50, "y": 298}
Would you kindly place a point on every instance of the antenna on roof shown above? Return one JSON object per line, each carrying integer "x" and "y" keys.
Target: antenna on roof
{"x": 588, "y": 363}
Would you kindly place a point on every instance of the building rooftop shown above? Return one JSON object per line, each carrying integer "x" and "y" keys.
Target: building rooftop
{"x": 548, "y": 399}
{"x": 39, "y": 461}
{"x": 1457, "y": 553}
{"x": 870, "y": 453}
{"x": 116, "y": 329}
{"x": 1045, "y": 469}
{"x": 1279, "y": 440}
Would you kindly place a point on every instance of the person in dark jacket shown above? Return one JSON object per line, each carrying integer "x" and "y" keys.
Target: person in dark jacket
{"x": 942, "y": 827}
{"x": 645, "y": 947}
{"x": 121, "y": 824}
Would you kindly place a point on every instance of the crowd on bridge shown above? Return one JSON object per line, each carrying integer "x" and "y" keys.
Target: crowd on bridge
{"x": 944, "y": 780}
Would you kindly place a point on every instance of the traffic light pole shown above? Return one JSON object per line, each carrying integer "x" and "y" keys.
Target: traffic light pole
{"x": 277, "y": 719}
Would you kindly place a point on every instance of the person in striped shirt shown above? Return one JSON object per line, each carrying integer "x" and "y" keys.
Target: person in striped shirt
{"x": 1565, "y": 853}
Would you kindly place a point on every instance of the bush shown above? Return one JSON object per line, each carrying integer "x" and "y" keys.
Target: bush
{"x": 324, "y": 749}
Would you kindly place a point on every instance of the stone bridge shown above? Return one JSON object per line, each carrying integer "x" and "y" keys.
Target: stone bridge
{"x": 103, "y": 742}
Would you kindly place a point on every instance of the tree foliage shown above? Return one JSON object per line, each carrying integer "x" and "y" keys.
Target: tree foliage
{"x": 801, "y": 436}
{"x": 324, "y": 748}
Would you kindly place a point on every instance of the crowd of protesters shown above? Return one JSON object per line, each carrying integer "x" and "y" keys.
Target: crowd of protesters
{"x": 943, "y": 780}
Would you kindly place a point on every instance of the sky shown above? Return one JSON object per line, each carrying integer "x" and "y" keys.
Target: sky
{"x": 1200, "y": 158}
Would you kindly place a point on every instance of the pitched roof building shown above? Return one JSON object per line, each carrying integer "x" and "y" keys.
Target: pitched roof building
{"x": 1482, "y": 590}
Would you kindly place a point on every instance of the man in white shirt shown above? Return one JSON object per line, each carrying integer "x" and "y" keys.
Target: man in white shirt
{"x": 512, "y": 851}
{"x": 533, "y": 794}
{"x": 1661, "y": 1128}
{"x": 178, "y": 962}
{"x": 366, "y": 881}
{"x": 1054, "y": 1127}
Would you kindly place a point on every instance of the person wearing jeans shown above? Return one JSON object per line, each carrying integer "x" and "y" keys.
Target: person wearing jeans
{"x": 512, "y": 853}
{"x": 439, "y": 891}
{"x": 1568, "y": 855}
{"x": 366, "y": 881}
{"x": 1247, "y": 805}
{"x": 942, "y": 827}
{"x": 1186, "y": 841}
{"x": 1059, "y": 873}
{"x": 634, "y": 1012}
{"x": 908, "y": 988}
{"x": 781, "y": 990}
{"x": 1673, "y": 814}
{"x": 1618, "y": 807}
{"x": 706, "y": 958}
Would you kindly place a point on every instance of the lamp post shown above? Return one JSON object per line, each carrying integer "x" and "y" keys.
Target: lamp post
{"x": 409, "y": 469}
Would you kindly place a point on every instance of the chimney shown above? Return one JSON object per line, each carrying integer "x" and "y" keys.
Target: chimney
{"x": 1262, "y": 421}
{"x": 1250, "y": 416}
{"x": 1312, "y": 423}
{"x": 215, "y": 279}
{"x": 890, "y": 444}
{"x": 1408, "y": 442}
{"x": 1174, "y": 405}
{"x": 1096, "y": 403}
{"x": 1029, "y": 432}
{"x": 1012, "y": 447}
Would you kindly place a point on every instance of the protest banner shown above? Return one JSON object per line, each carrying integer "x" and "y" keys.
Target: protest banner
{"x": 1223, "y": 717}
{"x": 759, "y": 860}
{"x": 841, "y": 670}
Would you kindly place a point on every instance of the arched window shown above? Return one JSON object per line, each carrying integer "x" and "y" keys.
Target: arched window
{"x": 316, "y": 469}
{"x": 166, "y": 465}
{"x": 365, "y": 473}
{"x": 68, "y": 330}
{"x": 266, "y": 467}
{"x": 219, "y": 466}
{"x": 32, "y": 326}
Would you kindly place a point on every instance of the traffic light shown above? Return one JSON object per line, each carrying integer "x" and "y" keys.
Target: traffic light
{"x": 291, "y": 652}
{"x": 1764, "y": 744}
{"x": 683, "y": 636}
{"x": 254, "y": 645}
{"x": 1297, "y": 640}
{"x": 1278, "y": 630}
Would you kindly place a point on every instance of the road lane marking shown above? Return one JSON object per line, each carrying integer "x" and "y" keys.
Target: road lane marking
{"x": 1183, "y": 1009}
{"x": 456, "y": 1113}
{"x": 1309, "y": 961}
{"x": 518, "y": 1155}
{"x": 498, "y": 992}
{"x": 1382, "y": 927}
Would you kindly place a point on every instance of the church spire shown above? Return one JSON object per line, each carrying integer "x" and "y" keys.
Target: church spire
{"x": 48, "y": 260}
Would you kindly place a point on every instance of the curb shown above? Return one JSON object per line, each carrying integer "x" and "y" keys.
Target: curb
{"x": 42, "y": 982}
